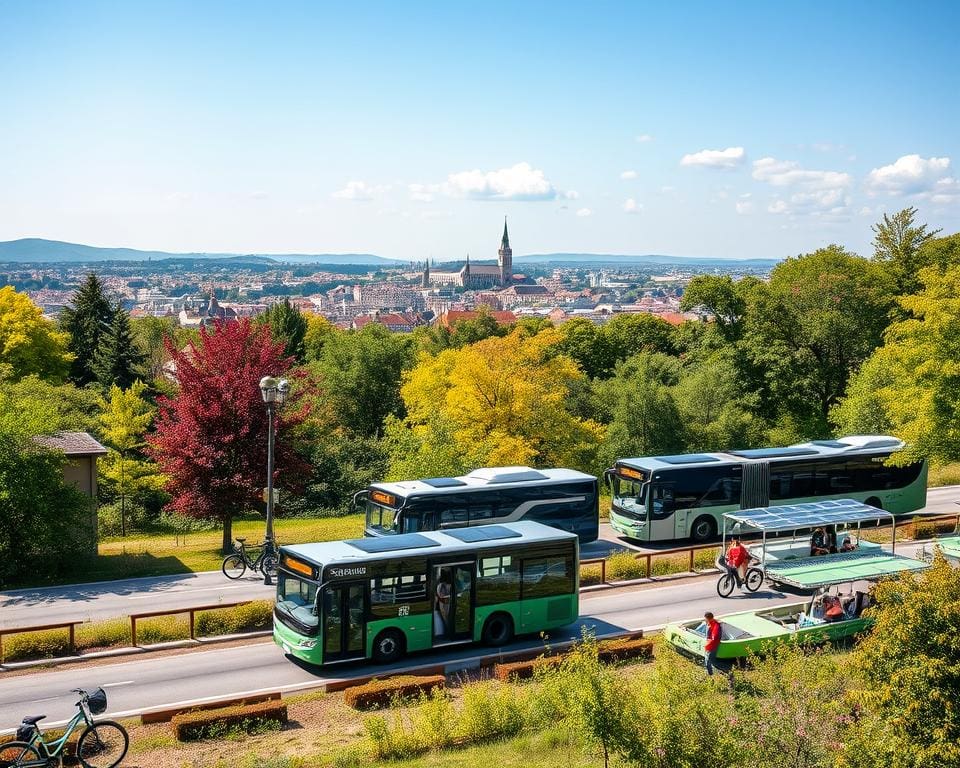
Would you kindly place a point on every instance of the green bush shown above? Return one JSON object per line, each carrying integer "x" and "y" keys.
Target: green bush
{"x": 705, "y": 559}
{"x": 491, "y": 710}
{"x": 432, "y": 722}
{"x": 669, "y": 564}
{"x": 623, "y": 566}
{"x": 589, "y": 574}
{"x": 394, "y": 741}
{"x": 251, "y": 617}
{"x": 217, "y": 723}
{"x": 382, "y": 693}
{"x": 522, "y": 670}
{"x": 109, "y": 518}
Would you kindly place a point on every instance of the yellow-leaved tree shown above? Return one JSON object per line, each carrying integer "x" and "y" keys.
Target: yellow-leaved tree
{"x": 29, "y": 343}
{"x": 500, "y": 401}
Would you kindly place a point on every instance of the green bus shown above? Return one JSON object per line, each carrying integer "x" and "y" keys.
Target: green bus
{"x": 661, "y": 498}
{"x": 379, "y": 598}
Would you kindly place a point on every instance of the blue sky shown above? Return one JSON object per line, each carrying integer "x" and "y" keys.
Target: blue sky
{"x": 410, "y": 129}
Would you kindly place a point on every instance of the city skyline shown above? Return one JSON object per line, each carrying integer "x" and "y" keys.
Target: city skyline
{"x": 760, "y": 132}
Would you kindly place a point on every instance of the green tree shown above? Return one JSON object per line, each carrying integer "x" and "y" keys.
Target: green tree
{"x": 819, "y": 318}
{"x": 119, "y": 360}
{"x": 911, "y": 664}
{"x": 319, "y": 332}
{"x": 289, "y": 325}
{"x": 359, "y": 374}
{"x": 940, "y": 252}
{"x": 898, "y": 243}
{"x": 151, "y": 335}
{"x": 87, "y": 320}
{"x": 723, "y": 298}
{"x": 629, "y": 334}
{"x": 29, "y": 343}
{"x": 589, "y": 347}
{"x": 638, "y": 404}
{"x": 125, "y": 418}
{"x": 912, "y": 383}
{"x": 56, "y": 407}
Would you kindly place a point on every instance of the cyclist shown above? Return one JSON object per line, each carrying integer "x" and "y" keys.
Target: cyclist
{"x": 738, "y": 558}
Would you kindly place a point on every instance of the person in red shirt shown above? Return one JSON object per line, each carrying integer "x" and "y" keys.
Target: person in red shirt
{"x": 713, "y": 642}
{"x": 738, "y": 557}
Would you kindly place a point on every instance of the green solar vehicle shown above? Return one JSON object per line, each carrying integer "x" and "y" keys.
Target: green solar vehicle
{"x": 833, "y": 612}
{"x": 379, "y": 598}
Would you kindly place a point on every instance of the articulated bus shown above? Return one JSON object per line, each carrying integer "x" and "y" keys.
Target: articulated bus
{"x": 659, "y": 498}
{"x": 563, "y": 498}
{"x": 382, "y": 597}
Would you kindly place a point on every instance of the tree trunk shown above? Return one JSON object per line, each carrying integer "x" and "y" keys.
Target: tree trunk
{"x": 227, "y": 534}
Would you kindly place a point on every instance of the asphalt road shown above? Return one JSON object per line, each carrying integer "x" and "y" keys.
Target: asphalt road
{"x": 146, "y": 681}
{"x": 105, "y": 600}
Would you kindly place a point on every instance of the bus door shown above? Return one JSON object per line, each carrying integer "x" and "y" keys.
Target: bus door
{"x": 661, "y": 508}
{"x": 344, "y": 609}
{"x": 453, "y": 602}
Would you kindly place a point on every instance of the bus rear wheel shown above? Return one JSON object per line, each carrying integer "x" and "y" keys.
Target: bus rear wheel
{"x": 498, "y": 630}
{"x": 703, "y": 529}
{"x": 874, "y": 502}
{"x": 388, "y": 647}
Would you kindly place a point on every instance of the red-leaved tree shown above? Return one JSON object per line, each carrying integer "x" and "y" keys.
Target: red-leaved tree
{"x": 211, "y": 437}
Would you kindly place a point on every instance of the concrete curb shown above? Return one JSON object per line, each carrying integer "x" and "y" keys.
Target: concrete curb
{"x": 132, "y": 651}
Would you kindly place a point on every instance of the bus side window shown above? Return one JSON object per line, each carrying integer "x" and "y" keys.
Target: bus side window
{"x": 453, "y": 510}
{"x": 662, "y": 500}
{"x": 498, "y": 579}
{"x": 547, "y": 576}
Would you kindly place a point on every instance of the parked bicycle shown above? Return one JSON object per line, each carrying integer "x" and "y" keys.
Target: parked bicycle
{"x": 235, "y": 565}
{"x": 102, "y": 744}
{"x": 730, "y": 579}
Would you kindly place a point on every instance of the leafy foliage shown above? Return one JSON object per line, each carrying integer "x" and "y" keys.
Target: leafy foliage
{"x": 899, "y": 244}
{"x": 118, "y": 360}
{"x": 86, "y": 321}
{"x": 211, "y": 437}
{"x": 289, "y": 325}
{"x": 29, "y": 343}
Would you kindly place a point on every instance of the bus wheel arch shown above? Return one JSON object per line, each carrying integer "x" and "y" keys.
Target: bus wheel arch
{"x": 703, "y": 529}
{"x": 497, "y": 629}
{"x": 388, "y": 646}
{"x": 874, "y": 502}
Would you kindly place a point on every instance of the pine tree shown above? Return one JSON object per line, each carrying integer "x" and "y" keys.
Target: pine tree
{"x": 289, "y": 325}
{"x": 118, "y": 360}
{"x": 86, "y": 321}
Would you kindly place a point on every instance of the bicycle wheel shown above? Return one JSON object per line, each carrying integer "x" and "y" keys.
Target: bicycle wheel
{"x": 269, "y": 565}
{"x": 754, "y": 579}
{"x": 233, "y": 566}
{"x": 19, "y": 754}
{"x": 102, "y": 745}
{"x": 725, "y": 585}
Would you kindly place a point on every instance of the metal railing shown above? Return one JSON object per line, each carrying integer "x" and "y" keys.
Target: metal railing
{"x": 71, "y": 643}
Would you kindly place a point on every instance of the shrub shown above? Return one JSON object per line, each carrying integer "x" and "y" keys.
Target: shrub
{"x": 381, "y": 693}
{"x": 522, "y": 670}
{"x": 240, "y": 618}
{"x": 163, "y": 629}
{"x": 589, "y": 574}
{"x": 491, "y": 710}
{"x": 666, "y": 565}
{"x": 432, "y": 722}
{"x": 927, "y": 529}
{"x": 623, "y": 565}
{"x": 621, "y": 648}
{"x": 215, "y": 723}
{"x": 705, "y": 559}
{"x": 392, "y": 742}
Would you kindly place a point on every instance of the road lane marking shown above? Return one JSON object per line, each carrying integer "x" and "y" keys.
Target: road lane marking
{"x": 116, "y": 685}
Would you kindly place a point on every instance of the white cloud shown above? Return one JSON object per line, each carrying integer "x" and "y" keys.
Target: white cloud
{"x": 422, "y": 193}
{"x": 519, "y": 182}
{"x": 816, "y": 193}
{"x": 913, "y": 175}
{"x": 730, "y": 157}
{"x": 628, "y": 175}
{"x": 787, "y": 173}
{"x": 584, "y": 212}
{"x": 632, "y": 206}
{"x": 358, "y": 191}
{"x": 866, "y": 211}
{"x": 744, "y": 207}
{"x": 644, "y": 138}
{"x": 571, "y": 194}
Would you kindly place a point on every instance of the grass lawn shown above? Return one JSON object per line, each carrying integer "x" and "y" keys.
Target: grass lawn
{"x": 164, "y": 554}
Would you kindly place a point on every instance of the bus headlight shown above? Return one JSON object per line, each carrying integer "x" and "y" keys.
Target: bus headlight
{"x": 307, "y": 644}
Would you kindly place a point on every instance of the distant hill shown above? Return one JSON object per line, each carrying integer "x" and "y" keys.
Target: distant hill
{"x": 55, "y": 251}
{"x": 648, "y": 258}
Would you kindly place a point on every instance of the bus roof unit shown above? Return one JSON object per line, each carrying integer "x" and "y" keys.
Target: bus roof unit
{"x": 482, "y": 478}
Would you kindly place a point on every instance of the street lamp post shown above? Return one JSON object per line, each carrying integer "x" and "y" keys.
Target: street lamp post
{"x": 274, "y": 392}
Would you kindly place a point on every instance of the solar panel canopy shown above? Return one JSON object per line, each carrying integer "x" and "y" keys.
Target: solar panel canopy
{"x": 841, "y": 569}
{"x": 793, "y": 516}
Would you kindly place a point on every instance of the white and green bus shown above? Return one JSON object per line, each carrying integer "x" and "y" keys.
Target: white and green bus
{"x": 379, "y": 598}
{"x": 661, "y": 498}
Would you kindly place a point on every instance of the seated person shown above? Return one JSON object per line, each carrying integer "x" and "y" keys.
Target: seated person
{"x": 818, "y": 543}
{"x": 847, "y": 545}
{"x": 832, "y": 608}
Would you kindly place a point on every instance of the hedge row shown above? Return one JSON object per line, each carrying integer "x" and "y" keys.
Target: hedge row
{"x": 382, "y": 693}
{"x": 215, "y": 723}
{"x": 616, "y": 649}
{"x": 115, "y": 633}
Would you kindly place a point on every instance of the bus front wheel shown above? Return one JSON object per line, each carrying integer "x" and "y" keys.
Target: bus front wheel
{"x": 703, "y": 529}
{"x": 498, "y": 630}
{"x": 388, "y": 647}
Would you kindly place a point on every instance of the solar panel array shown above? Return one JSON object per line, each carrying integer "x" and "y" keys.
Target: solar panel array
{"x": 482, "y": 533}
{"x": 773, "y": 453}
{"x": 374, "y": 545}
{"x": 688, "y": 458}
{"x": 443, "y": 482}
{"x": 793, "y": 516}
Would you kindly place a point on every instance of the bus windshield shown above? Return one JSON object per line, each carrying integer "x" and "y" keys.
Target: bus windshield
{"x": 381, "y": 519}
{"x": 630, "y": 496}
{"x": 297, "y": 599}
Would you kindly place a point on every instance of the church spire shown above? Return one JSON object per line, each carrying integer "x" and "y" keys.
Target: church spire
{"x": 505, "y": 241}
